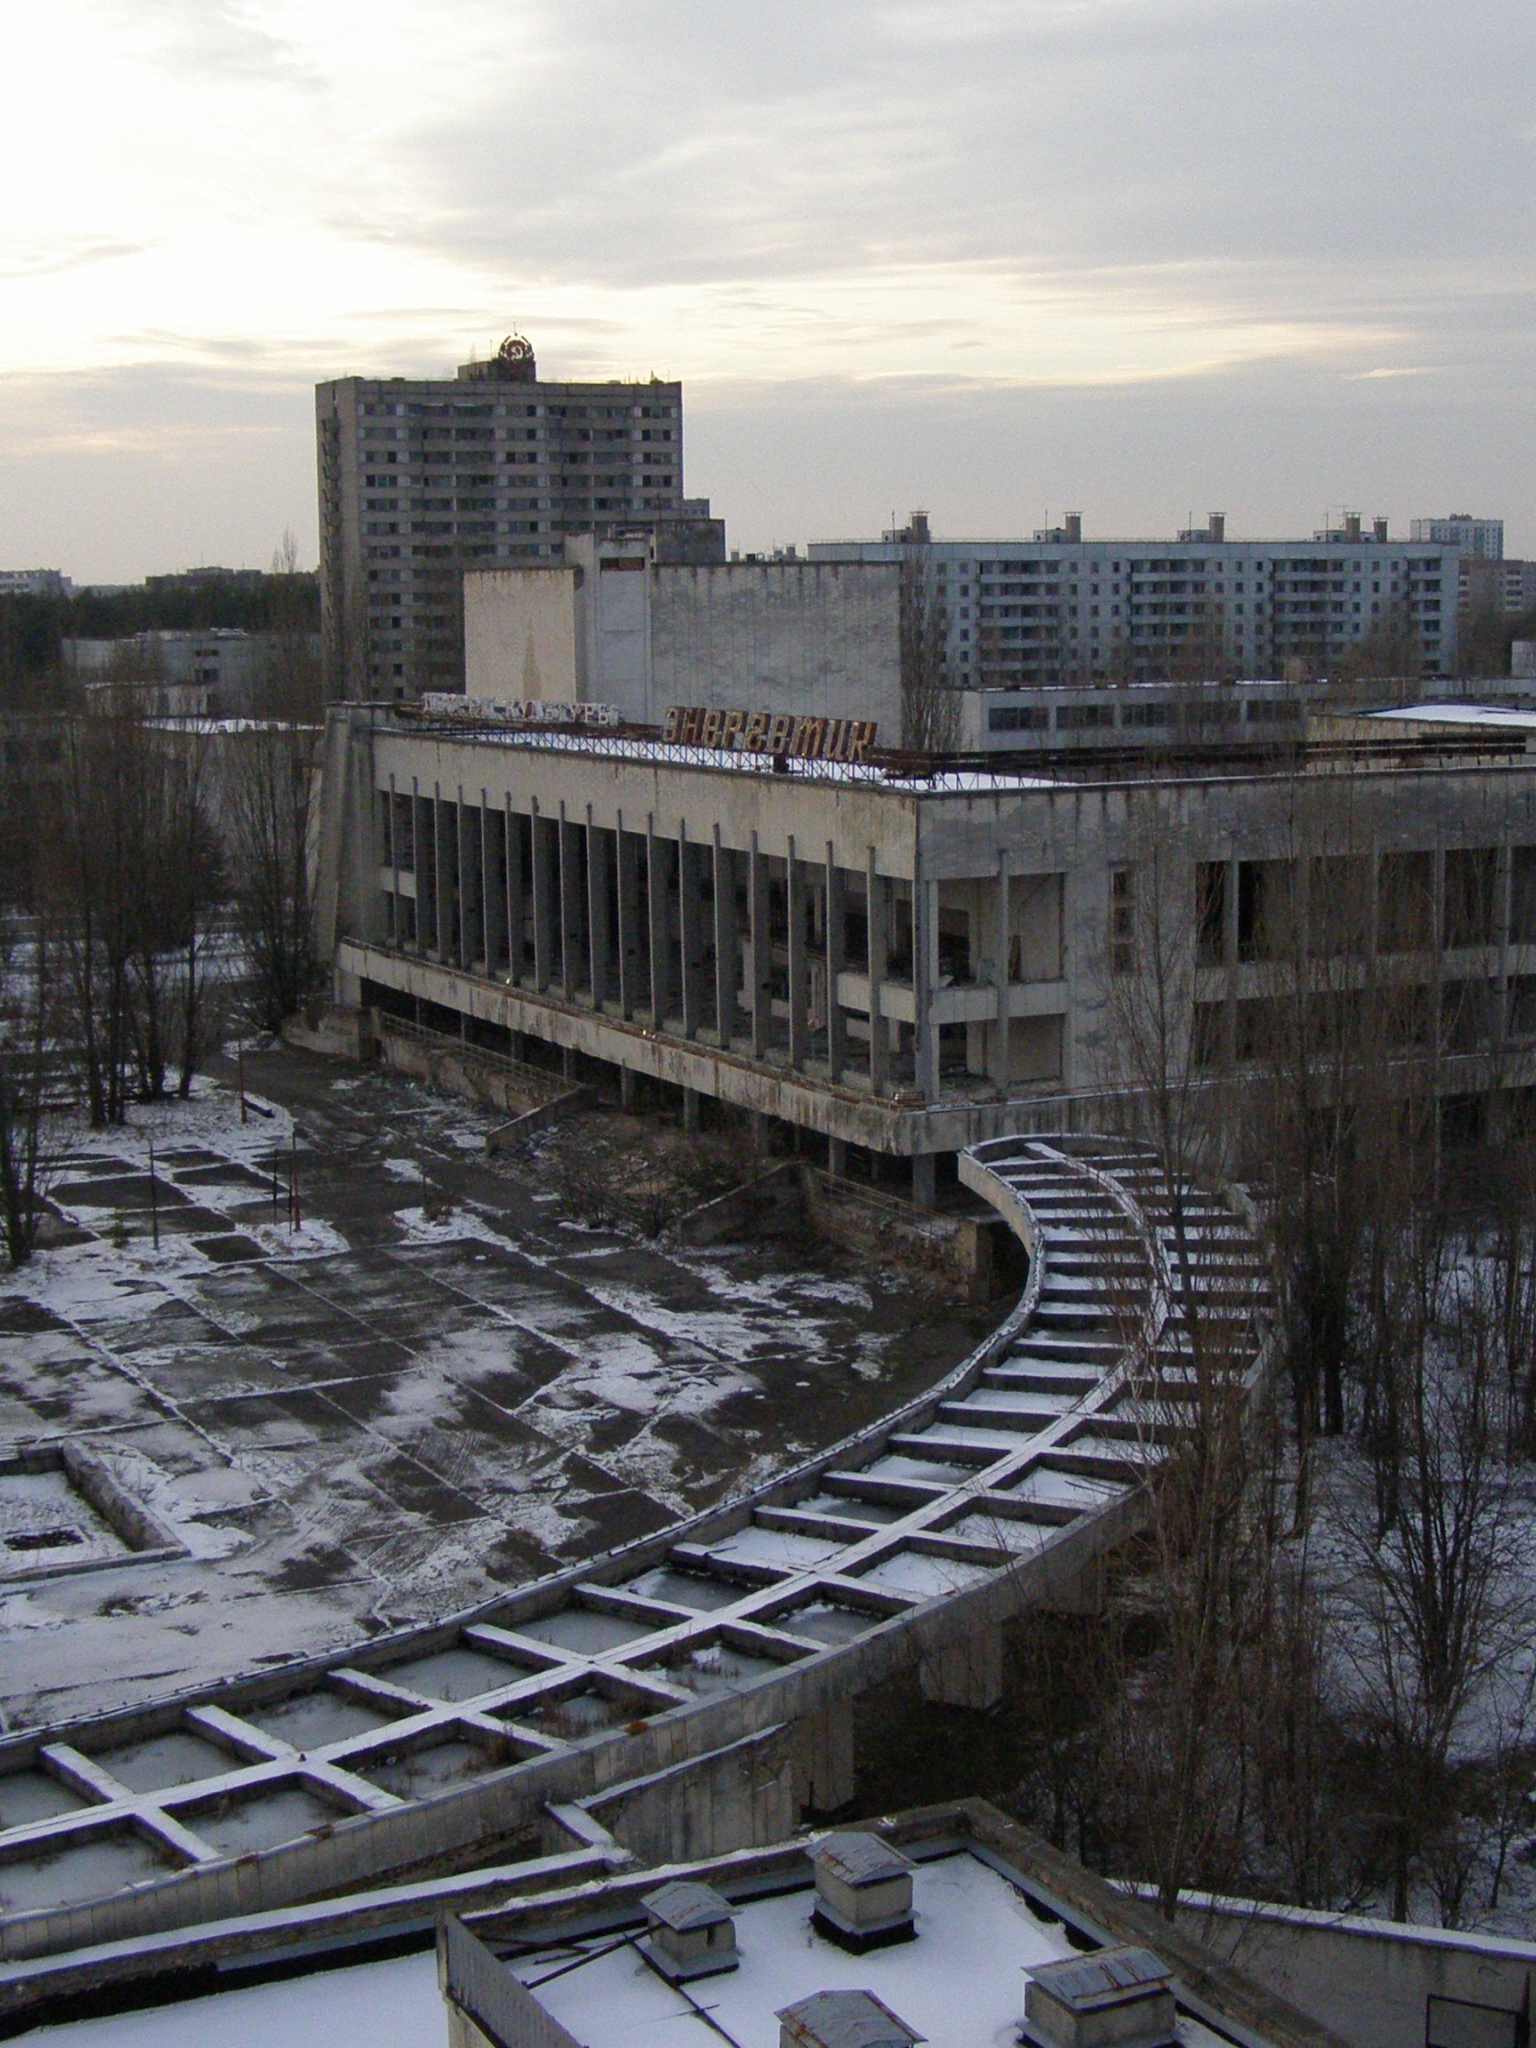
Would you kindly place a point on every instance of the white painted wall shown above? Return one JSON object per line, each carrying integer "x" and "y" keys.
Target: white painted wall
{"x": 520, "y": 634}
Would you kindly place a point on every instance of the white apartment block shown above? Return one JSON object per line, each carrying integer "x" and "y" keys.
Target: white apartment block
{"x": 1061, "y": 609}
{"x": 1482, "y": 538}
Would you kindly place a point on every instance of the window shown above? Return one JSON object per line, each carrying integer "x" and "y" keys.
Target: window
{"x": 1470, "y": 879}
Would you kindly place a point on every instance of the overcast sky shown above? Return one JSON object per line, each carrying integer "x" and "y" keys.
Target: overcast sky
{"x": 1001, "y": 258}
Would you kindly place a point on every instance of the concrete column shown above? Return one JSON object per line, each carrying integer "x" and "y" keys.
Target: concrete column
{"x": 442, "y": 867}
{"x": 925, "y": 979}
{"x": 629, "y": 1089}
{"x": 757, "y": 900}
{"x": 387, "y": 860}
{"x": 690, "y": 947}
{"x": 627, "y": 865}
{"x": 1502, "y": 891}
{"x": 573, "y": 889}
{"x": 878, "y": 938}
{"x": 471, "y": 917}
{"x": 543, "y": 889}
{"x": 837, "y": 1158}
{"x": 998, "y": 1071}
{"x": 1229, "y": 923}
{"x": 924, "y": 1189}
{"x": 965, "y": 1674}
{"x": 493, "y": 867}
{"x": 691, "y": 1101}
{"x": 514, "y": 873}
{"x": 658, "y": 887}
{"x": 599, "y": 932}
{"x": 824, "y": 1768}
{"x": 727, "y": 943}
{"x": 794, "y": 905}
{"x": 836, "y": 914}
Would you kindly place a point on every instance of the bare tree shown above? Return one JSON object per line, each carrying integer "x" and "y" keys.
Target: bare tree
{"x": 930, "y": 708}
{"x": 269, "y": 798}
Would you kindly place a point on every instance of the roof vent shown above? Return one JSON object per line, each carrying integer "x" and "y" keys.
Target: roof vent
{"x": 691, "y": 1931}
{"x": 1109, "y": 1998}
{"x": 863, "y": 1892}
{"x": 843, "y": 2019}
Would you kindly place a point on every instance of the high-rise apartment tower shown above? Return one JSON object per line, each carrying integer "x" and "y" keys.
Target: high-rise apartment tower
{"x": 421, "y": 478}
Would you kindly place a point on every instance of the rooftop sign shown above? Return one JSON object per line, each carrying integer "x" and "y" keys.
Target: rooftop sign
{"x": 515, "y": 710}
{"x": 771, "y": 732}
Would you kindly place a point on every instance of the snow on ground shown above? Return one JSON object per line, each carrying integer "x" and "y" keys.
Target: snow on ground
{"x": 434, "y": 1388}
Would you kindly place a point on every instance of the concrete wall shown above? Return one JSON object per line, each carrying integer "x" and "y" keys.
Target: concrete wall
{"x": 614, "y": 627}
{"x": 1369, "y": 1980}
{"x": 520, "y": 634}
{"x": 821, "y": 638}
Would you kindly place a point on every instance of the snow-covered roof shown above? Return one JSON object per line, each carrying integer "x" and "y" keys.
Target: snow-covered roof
{"x": 1495, "y": 717}
{"x": 1086, "y": 1982}
{"x": 682, "y": 1905}
{"x": 846, "y": 2019}
{"x": 859, "y": 1858}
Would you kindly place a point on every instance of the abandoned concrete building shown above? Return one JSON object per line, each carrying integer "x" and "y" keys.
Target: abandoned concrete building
{"x": 904, "y": 963}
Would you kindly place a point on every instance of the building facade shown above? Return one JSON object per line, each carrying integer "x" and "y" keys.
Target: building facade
{"x": 900, "y": 964}
{"x": 612, "y": 625}
{"x": 1480, "y": 538}
{"x": 1061, "y": 609}
{"x": 422, "y": 478}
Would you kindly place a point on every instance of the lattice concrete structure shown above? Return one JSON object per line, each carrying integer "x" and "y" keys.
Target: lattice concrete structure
{"x": 439, "y": 1749}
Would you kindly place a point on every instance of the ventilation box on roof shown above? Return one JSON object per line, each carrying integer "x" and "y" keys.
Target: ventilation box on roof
{"x": 863, "y": 1892}
{"x": 1110, "y": 1998}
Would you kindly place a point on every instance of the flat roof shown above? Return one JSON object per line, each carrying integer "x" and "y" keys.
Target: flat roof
{"x": 959, "y": 1983}
{"x": 1496, "y": 717}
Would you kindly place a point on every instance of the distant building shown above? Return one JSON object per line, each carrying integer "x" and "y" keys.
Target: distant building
{"x": 208, "y": 578}
{"x": 1482, "y": 538}
{"x": 224, "y": 664}
{"x": 1061, "y": 609}
{"x": 34, "y": 583}
{"x": 423, "y": 478}
{"x": 608, "y": 623}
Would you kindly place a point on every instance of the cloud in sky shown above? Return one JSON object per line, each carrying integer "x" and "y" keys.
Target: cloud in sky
{"x": 999, "y": 250}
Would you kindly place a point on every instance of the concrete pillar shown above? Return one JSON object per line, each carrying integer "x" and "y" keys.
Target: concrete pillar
{"x": 836, "y": 910}
{"x": 543, "y": 889}
{"x": 965, "y": 1674}
{"x": 516, "y": 938}
{"x": 629, "y": 1089}
{"x": 1502, "y": 904}
{"x": 442, "y": 868}
{"x": 794, "y": 905}
{"x": 924, "y": 1188}
{"x": 690, "y": 938}
{"x": 691, "y": 1101}
{"x": 471, "y": 915}
{"x": 757, "y": 899}
{"x": 600, "y": 963}
{"x": 824, "y": 1768}
{"x": 632, "y": 992}
{"x": 925, "y": 979}
{"x": 998, "y": 1068}
{"x": 877, "y": 930}
{"x": 837, "y": 1158}
{"x": 493, "y": 866}
{"x": 760, "y": 1132}
{"x": 658, "y": 854}
{"x": 573, "y": 891}
{"x": 421, "y": 853}
{"x": 727, "y": 943}
{"x": 568, "y": 1062}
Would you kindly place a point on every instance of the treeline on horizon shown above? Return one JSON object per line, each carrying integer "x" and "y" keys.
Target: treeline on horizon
{"x": 33, "y": 629}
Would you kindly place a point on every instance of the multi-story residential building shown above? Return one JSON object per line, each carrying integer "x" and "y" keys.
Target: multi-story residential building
{"x": 1061, "y": 609}
{"x": 421, "y": 478}
{"x": 1483, "y": 538}
{"x": 34, "y": 583}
